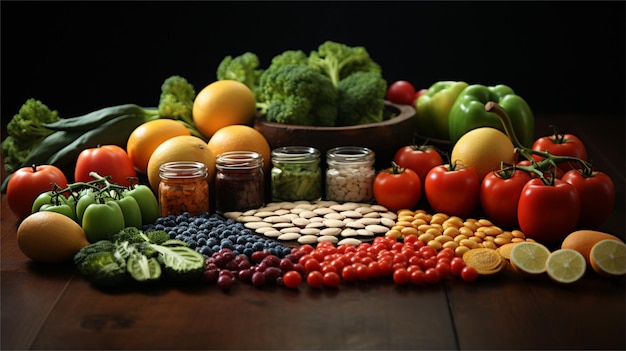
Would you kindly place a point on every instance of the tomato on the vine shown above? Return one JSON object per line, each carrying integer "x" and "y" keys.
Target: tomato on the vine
{"x": 453, "y": 189}
{"x": 547, "y": 213}
{"x": 397, "y": 188}
{"x": 420, "y": 158}
{"x": 560, "y": 144}
{"x": 106, "y": 160}
{"x": 597, "y": 196}
{"x": 401, "y": 92}
{"x": 27, "y": 183}
{"x": 499, "y": 195}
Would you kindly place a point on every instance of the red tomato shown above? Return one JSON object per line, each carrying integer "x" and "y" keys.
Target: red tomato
{"x": 106, "y": 160}
{"x": 561, "y": 144}
{"x": 29, "y": 182}
{"x": 421, "y": 159}
{"x": 401, "y": 92}
{"x": 315, "y": 279}
{"x": 597, "y": 196}
{"x": 292, "y": 279}
{"x": 499, "y": 195}
{"x": 452, "y": 189}
{"x": 547, "y": 213}
{"x": 397, "y": 188}
{"x": 331, "y": 279}
{"x": 469, "y": 274}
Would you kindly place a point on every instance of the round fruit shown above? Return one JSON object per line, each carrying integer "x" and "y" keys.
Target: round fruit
{"x": 50, "y": 237}
{"x": 483, "y": 149}
{"x": 223, "y": 103}
{"x": 608, "y": 258}
{"x": 583, "y": 240}
{"x": 241, "y": 138}
{"x": 148, "y": 136}
{"x": 179, "y": 148}
{"x": 529, "y": 258}
{"x": 565, "y": 266}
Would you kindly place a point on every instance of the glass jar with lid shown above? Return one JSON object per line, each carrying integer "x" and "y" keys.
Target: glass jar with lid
{"x": 239, "y": 181}
{"x": 350, "y": 174}
{"x": 296, "y": 174}
{"x": 183, "y": 188}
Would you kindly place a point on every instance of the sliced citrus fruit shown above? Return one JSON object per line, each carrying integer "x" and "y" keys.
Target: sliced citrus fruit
{"x": 608, "y": 258}
{"x": 566, "y": 266}
{"x": 529, "y": 257}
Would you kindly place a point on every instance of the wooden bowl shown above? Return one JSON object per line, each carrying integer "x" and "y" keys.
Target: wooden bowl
{"x": 385, "y": 137}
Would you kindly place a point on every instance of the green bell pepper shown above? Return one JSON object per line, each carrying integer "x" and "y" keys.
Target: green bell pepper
{"x": 44, "y": 198}
{"x": 433, "y": 108}
{"x": 132, "y": 212}
{"x": 147, "y": 201}
{"x": 55, "y": 202}
{"x": 87, "y": 197}
{"x": 102, "y": 220}
{"x": 468, "y": 112}
{"x": 63, "y": 208}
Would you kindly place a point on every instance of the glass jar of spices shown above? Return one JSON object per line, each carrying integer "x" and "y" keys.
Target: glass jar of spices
{"x": 183, "y": 188}
{"x": 296, "y": 174}
{"x": 239, "y": 181}
{"x": 350, "y": 174}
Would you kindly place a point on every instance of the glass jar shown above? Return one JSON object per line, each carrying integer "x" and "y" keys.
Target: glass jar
{"x": 239, "y": 181}
{"x": 183, "y": 188}
{"x": 296, "y": 174}
{"x": 350, "y": 174}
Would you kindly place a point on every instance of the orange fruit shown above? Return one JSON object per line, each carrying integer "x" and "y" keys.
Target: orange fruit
{"x": 179, "y": 148}
{"x": 583, "y": 240}
{"x": 223, "y": 103}
{"x": 50, "y": 237}
{"x": 608, "y": 258}
{"x": 145, "y": 138}
{"x": 483, "y": 149}
{"x": 241, "y": 138}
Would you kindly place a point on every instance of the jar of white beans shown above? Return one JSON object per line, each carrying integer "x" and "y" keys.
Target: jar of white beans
{"x": 350, "y": 174}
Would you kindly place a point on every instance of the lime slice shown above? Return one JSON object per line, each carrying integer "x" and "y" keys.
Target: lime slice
{"x": 566, "y": 266}
{"x": 529, "y": 257}
{"x": 608, "y": 257}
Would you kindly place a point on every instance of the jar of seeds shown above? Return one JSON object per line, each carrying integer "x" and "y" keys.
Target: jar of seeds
{"x": 350, "y": 174}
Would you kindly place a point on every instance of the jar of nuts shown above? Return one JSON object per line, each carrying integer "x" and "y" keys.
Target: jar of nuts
{"x": 296, "y": 174}
{"x": 183, "y": 188}
{"x": 350, "y": 174}
{"x": 239, "y": 181}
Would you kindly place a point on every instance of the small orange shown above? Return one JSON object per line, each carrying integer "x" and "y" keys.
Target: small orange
{"x": 144, "y": 140}
{"x": 223, "y": 103}
{"x": 241, "y": 138}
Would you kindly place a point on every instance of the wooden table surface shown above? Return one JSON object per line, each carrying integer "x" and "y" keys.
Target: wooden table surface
{"x": 51, "y": 307}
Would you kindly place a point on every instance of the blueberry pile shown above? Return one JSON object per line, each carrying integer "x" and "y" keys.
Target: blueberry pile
{"x": 210, "y": 233}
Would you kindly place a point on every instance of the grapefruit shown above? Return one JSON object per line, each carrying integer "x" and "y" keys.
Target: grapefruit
{"x": 483, "y": 149}
{"x": 148, "y": 136}
{"x": 241, "y": 138}
{"x": 50, "y": 237}
{"x": 179, "y": 148}
{"x": 223, "y": 103}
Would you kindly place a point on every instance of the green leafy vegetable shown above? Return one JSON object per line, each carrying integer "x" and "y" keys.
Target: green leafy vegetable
{"x": 243, "y": 68}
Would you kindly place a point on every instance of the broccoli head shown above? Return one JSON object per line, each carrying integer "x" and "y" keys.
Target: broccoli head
{"x": 100, "y": 264}
{"x": 339, "y": 61}
{"x": 176, "y": 101}
{"x": 297, "y": 94}
{"x": 131, "y": 235}
{"x": 361, "y": 99}
{"x": 157, "y": 236}
{"x": 25, "y": 131}
{"x": 243, "y": 68}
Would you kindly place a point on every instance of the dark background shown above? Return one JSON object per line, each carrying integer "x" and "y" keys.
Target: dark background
{"x": 562, "y": 57}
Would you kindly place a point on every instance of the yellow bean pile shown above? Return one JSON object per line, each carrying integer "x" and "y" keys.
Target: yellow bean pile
{"x": 440, "y": 230}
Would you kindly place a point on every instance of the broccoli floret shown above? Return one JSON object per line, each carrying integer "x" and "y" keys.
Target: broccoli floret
{"x": 243, "y": 68}
{"x": 176, "y": 102}
{"x": 297, "y": 94}
{"x": 289, "y": 57}
{"x": 361, "y": 99}
{"x": 129, "y": 234}
{"x": 339, "y": 61}
{"x": 25, "y": 132}
{"x": 157, "y": 236}
{"x": 100, "y": 264}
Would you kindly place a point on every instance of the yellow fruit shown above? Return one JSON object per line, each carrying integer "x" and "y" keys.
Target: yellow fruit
{"x": 145, "y": 139}
{"x": 50, "y": 237}
{"x": 223, "y": 103}
{"x": 241, "y": 138}
{"x": 565, "y": 266}
{"x": 179, "y": 148}
{"x": 583, "y": 240}
{"x": 529, "y": 258}
{"x": 608, "y": 258}
{"x": 483, "y": 149}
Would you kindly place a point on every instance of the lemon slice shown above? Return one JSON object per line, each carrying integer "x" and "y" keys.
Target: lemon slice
{"x": 608, "y": 257}
{"x": 529, "y": 257}
{"x": 566, "y": 266}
